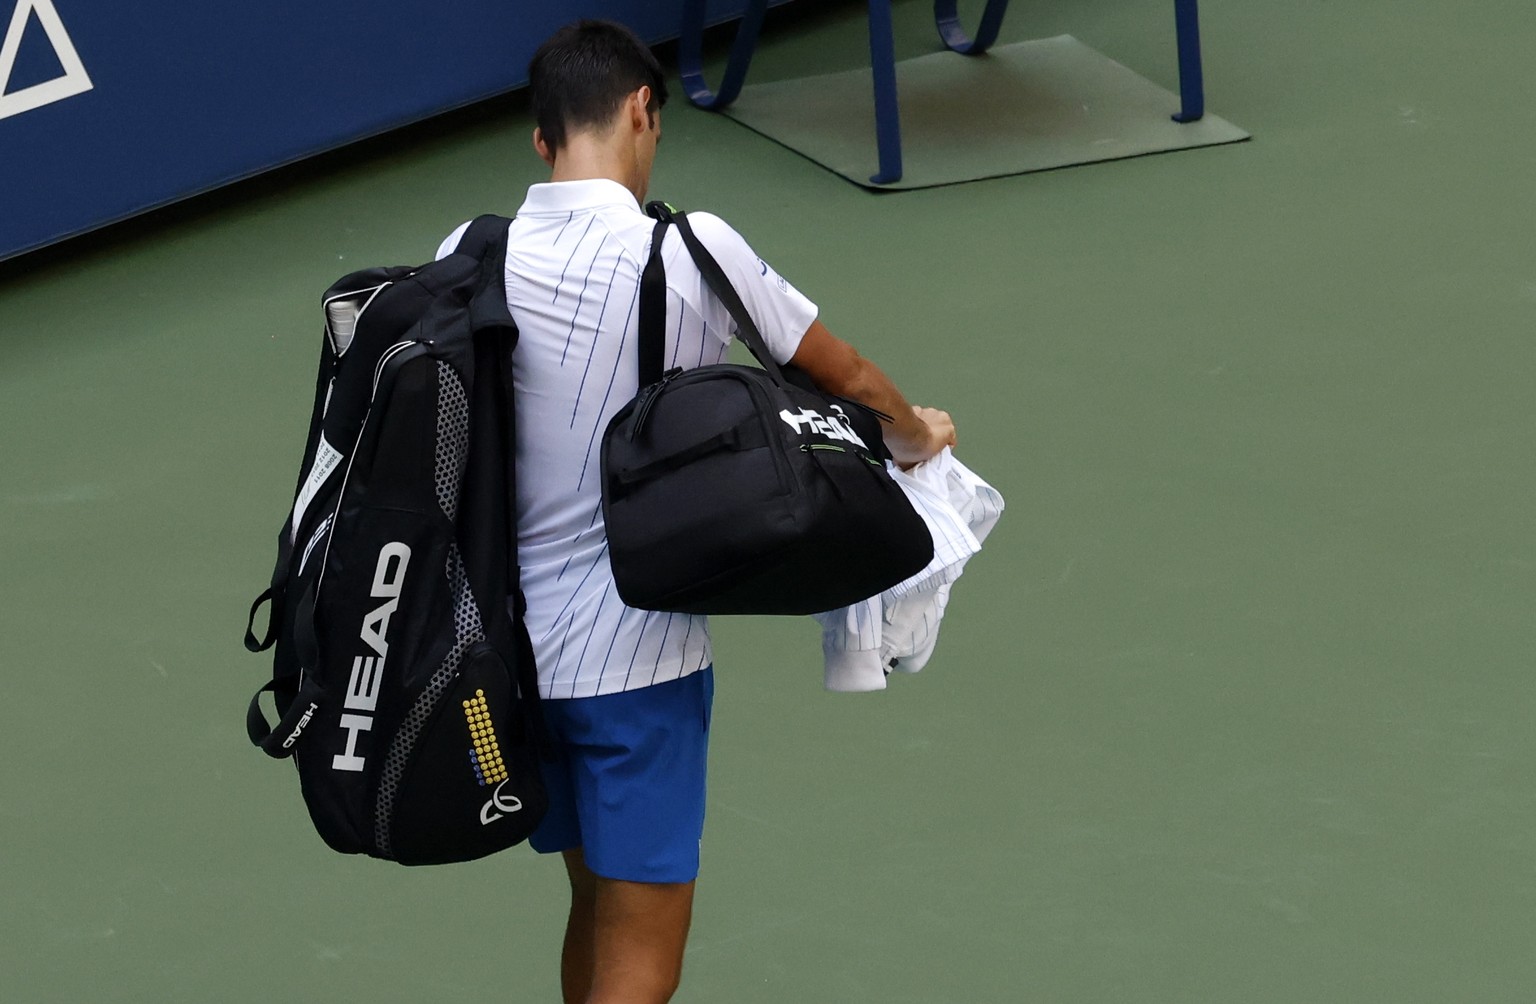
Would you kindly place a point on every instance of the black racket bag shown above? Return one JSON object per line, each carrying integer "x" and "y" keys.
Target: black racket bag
{"x": 402, "y": 673}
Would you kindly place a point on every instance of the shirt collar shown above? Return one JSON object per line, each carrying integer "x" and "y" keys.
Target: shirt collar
{"x": 570, "y": 196}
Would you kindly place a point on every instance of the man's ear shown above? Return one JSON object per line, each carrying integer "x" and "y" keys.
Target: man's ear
{"x": 546, "y": 154}
{"x": 640, "y": 108}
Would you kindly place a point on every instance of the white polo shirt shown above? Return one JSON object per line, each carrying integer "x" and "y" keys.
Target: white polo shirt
{"x": 574, "y": 256}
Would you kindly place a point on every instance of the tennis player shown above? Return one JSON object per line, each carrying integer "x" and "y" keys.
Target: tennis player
{"x": 627, "y": 693}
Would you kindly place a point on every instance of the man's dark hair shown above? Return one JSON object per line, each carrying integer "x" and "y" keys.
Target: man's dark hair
{"x": 583, "y": 72}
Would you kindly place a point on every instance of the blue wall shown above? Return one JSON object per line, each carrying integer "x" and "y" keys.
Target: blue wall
{"x": 189, "y": 95}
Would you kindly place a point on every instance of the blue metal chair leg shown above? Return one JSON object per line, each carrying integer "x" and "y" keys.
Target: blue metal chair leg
{"x": 1191, "y": 78}
{"x": 690, "y": 55}
{"x": 947, "y": 16}
{"x": 882, "y": 52}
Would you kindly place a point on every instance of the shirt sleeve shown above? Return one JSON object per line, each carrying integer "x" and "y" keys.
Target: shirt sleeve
{"x": 782, "y": 313}
{"x": 446, "y": 248}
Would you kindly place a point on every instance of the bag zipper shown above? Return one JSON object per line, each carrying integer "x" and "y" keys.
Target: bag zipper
{"x": 647, "y": 399}
{"x": 394, "y": 357}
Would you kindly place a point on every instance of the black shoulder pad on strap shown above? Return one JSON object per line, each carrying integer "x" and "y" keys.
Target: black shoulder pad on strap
{"x": 653, "y": 306}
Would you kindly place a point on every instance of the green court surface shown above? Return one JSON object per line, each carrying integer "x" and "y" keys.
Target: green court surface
{"x": 1235, "y": 706}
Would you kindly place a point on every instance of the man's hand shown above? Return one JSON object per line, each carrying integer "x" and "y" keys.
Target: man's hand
{"x": 938, "y": 431}
{"x": 913, "y": 435}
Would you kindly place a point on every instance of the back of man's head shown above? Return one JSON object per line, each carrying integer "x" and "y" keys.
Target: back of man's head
{"x": 582, "y": 74}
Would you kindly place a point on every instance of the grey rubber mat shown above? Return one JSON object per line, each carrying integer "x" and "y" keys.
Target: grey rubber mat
{"x": 1029, "y": 106}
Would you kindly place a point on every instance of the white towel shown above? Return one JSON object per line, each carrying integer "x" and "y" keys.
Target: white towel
{"x": 898, "y": 629}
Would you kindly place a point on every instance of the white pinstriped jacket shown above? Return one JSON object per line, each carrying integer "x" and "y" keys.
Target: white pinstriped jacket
{"x": 897, "y": 630}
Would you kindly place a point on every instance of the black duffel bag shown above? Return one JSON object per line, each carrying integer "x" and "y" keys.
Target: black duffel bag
{"x": 736, "y": 490}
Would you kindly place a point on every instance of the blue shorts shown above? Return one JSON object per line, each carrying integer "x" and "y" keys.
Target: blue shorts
{"x": 627, "y": 784}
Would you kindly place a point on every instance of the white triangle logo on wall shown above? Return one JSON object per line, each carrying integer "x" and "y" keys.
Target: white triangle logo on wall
{"x": 74, "y": 81}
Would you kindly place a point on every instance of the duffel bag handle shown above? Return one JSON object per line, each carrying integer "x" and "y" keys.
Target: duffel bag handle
{"x": 738, "y": 437}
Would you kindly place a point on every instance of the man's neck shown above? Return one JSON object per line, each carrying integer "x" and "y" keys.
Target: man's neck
{"x": 584, "y": 160}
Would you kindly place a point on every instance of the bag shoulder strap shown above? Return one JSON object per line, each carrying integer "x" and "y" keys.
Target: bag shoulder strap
{"x": 653, "y": 309}
{"x": 483, "y": 235}
{"x": 714, "y": 277}
{"x": 486, "y": 240}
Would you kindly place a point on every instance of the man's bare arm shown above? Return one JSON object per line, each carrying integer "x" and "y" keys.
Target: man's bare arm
{"x": 837, "y": 368}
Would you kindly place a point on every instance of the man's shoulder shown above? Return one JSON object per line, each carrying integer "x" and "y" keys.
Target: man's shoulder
{"x": 707, "y": 225}
{"x": 722, "y": 239}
